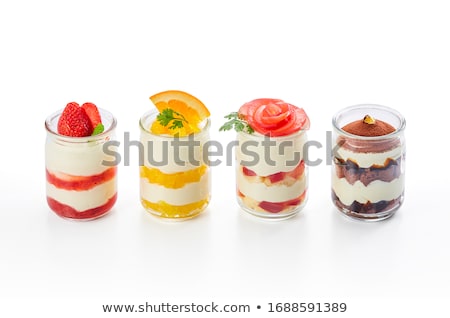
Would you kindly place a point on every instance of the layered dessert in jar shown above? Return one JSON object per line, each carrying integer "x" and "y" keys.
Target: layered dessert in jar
{"x": 271, "y": 175}
{"x": 175, "y": 178}
{"x": 81, "y": 177}
{"x": 368, "y": 174}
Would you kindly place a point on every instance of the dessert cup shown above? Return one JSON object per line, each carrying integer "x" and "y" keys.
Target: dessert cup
{"x": 81, "y": 176}
{"x": 271, "y": 175}
{"x": 368, "y": 172}
{"x": 175, "y": 177}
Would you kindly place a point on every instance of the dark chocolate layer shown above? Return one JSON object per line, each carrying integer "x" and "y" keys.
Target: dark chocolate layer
{"x": 367, "y": 207}
{"x": 350, "y": 170}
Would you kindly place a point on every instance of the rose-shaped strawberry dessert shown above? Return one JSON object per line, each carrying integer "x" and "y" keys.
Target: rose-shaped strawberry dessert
{"x": 271, "y": 180}
{"x": 274, "y": 117}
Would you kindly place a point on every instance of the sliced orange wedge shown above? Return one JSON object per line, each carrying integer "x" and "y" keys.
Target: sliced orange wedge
{"x": 190, "y": 107}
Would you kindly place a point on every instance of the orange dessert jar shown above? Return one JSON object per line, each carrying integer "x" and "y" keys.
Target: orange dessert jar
{"x": 175, "y": 177}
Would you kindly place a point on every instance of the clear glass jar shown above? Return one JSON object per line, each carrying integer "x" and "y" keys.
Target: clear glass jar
{"x": 368, "y": 173}
{"x": 271, "y": 175}
{"x": 175, "y": 176}
{"x": 81, "y": 173}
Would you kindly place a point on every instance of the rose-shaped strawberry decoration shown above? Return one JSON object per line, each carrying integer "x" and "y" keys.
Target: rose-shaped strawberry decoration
{"x": 274, "y": 117}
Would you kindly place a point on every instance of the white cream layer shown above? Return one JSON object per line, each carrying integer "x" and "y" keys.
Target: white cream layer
{"x": 84, "y": 159}
{"x": 274, "y": 193}
{"x": 365, "y": 160}
{"x": 84, "y": 200}
{"x": 283, "y": 156}
{"x": 376, "y": 191}
{"x": 190, "y": 193}
{"x": 169, "y": 157}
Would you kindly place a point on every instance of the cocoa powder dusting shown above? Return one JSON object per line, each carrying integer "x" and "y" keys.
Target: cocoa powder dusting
{"x": 365, "y": 129}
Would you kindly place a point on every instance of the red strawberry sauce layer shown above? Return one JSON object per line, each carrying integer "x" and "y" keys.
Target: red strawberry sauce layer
{"x": 69, "y": 212}
{"x": 295, "y": 173}
{"x": 81, "y": 183}
{"x": 277, "y": 207}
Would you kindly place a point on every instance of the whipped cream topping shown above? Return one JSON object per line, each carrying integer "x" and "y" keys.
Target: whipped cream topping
{"x": 286, "y": 152}
{"x": 84, "y": 159}
{"x": 162, "y": 153}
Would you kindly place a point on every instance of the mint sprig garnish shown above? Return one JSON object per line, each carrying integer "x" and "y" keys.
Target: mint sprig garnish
{"x": 169, "y": 116}
{"x": 98, "y": 129}
{"x": 237, "y": 123}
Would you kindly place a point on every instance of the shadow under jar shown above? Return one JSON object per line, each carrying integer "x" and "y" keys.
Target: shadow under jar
{"x": 175, "y": 177}
{"x": 368, "y": 166}
{"x": 81, "y": 176}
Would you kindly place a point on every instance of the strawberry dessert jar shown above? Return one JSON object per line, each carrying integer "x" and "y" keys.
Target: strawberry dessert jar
{"x": 271, "y": 175}
{"x": 81, "y": 172}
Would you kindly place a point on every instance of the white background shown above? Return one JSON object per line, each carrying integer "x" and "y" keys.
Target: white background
{"x": 319, "y": 55}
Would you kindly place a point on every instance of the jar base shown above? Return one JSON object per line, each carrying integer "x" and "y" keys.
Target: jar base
{"x": 272, "y": 216}
{"x": 163, "y": 214}
{"x": 172, "y": 219}
{"x": 369, "y": 217}
{"x": 69, "y": 213}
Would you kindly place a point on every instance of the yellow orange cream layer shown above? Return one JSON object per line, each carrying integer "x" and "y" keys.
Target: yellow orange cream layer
{"x": 175, "y": 211}
{"x": 172, "y": 180}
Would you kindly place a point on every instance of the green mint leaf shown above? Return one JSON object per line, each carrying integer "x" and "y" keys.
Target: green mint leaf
{"x": 98, "y": 129}
{"x": 239, "y": 126}
{"x": 250, "y": 130}
{"x": 168, "y": 116}
{"x": 232, "y": 115}
{"x": 176, "y": 124}
{"x": 237, "y": 123}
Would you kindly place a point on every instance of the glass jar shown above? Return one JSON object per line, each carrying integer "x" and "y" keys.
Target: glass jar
{"x": 271, "y": 175}
{"x": 81, "y": 172}
{"x": 368, "y": 173}
{"x": 175, "y": 177}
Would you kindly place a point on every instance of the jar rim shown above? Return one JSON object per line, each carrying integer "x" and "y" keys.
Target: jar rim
{"x": 257, "y": 135}
{"x": 398, "y": 130}
{"x": 57, "y": 114}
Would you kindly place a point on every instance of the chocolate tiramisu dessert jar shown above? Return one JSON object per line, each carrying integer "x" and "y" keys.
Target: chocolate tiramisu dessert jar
{"x": 368, "y": 166}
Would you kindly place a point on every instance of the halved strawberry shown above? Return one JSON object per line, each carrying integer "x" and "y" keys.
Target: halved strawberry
{"x": 93, "y": 113}
{"x": 74, "y": 122}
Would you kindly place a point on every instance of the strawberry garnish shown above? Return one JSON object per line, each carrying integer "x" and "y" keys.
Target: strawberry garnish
{"x": 93, "y": 113}
{"x": 74, "y": 122}
{"x": 273, "y": 117}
